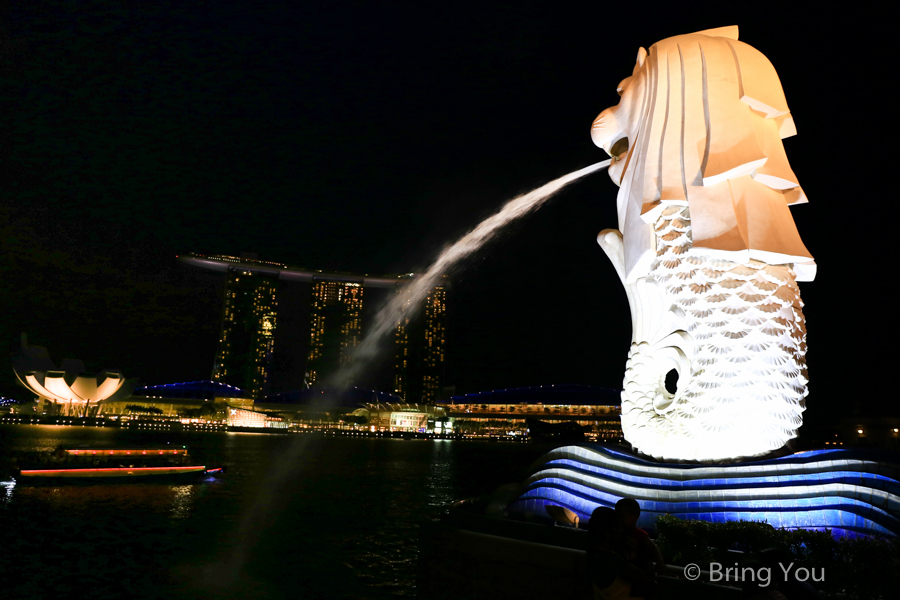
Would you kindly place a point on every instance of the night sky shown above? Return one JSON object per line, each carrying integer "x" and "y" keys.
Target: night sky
{"x": 363, "y": 137}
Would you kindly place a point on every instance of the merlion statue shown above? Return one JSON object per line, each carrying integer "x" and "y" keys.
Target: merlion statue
{"x": 707, "y": 250}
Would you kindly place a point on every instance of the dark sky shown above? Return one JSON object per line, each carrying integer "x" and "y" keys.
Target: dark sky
{"x": 362, "y": 136}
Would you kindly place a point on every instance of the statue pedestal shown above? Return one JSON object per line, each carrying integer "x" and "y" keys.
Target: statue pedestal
{"x": 849, "y": 491}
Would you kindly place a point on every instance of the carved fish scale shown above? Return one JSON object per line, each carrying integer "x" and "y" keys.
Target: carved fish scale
{"x": 746, "y": 364}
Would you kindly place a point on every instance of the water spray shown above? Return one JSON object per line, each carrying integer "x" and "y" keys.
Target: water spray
{"x": 230, "y": 569}
{"x": 413, "y": 293}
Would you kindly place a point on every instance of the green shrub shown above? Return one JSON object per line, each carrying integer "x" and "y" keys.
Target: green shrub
{"x": 862, "y": 568}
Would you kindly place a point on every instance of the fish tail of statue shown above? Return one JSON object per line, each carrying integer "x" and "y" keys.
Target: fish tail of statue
{"x": 736, "y": 337}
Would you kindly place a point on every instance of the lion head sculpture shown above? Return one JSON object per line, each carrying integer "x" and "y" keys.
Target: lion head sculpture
{"x": 700, "y": 123}
{"x": 707, "y": 250}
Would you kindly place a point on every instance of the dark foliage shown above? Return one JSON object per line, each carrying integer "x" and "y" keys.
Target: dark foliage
{"x": 861, "y": 567}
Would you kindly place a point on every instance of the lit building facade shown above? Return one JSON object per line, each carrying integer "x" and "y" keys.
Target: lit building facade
{"x": 420, "y": 350}
{"x": 203, "y": 400}
{"x": 247, "y": 339}
{"x": 66, "y": 390}
{"x": 399, "y": 416}
{"x": 241, "y": 417}
{"x": 502, "y": 412}
{"x": 335, "y": 328}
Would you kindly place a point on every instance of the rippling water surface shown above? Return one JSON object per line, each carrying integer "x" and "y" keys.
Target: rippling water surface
{"x": 341, "y": 522}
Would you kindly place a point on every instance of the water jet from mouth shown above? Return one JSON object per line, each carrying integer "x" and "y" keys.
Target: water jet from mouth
{"x": 412, "y": 295}
{"x": 228, "y": 572}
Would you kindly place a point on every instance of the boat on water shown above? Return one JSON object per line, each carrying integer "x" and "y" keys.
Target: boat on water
{"x": 160, "y": 464}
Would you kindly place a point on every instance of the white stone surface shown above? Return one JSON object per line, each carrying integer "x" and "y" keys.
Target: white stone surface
{"x": 707, "y": 250}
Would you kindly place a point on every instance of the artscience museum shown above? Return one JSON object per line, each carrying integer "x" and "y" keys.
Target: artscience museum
{"x": 67, "y": 390}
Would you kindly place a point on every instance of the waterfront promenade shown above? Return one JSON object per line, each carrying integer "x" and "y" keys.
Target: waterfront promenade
{"x": 167, "y": 426}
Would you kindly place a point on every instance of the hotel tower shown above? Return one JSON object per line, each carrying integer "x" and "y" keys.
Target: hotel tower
{"x": 335, "y": 321}
{"x": 250, "y": 316}
{"x": 419, "y": 350}
{"x": 247, "y": 338}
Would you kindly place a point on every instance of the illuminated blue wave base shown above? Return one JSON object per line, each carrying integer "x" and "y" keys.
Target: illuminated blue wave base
{"x": 848, "y": 491}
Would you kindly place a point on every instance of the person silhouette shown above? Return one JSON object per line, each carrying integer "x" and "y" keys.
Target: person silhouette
{"x": 612, "y": 576}
{"x": 639, "y": 548}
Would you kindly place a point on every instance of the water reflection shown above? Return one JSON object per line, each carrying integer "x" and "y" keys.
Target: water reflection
{"x": 46, "y": 438}
{"x": 175, "y": 501}
{"x": 439, "y": 482}
{"x": 183, "y": 496}
{"x": 8, "y": 487}
{"x": 343, "y": 524}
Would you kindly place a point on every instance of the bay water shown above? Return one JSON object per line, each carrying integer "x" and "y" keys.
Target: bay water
{"x": 345, "y": 525}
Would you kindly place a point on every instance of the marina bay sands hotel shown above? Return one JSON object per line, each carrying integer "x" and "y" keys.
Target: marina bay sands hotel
{"x": 250, "y": 318}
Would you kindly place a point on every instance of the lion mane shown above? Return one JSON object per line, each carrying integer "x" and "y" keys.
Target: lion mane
{"x": 704, "y": 115}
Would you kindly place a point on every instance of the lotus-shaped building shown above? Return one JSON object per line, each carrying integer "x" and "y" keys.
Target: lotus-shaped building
{"x": 67, "y": 390}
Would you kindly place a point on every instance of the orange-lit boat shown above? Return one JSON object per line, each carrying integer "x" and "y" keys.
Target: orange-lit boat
{"x": 114, "y": 465}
